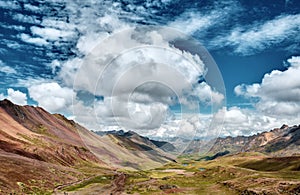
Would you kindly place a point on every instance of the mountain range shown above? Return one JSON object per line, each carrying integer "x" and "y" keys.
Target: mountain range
{"x": 35, "y": 143}
{"x": 283, "y": 141}
{"x": 163, "y": 145}
{"x": 45, "y": 151}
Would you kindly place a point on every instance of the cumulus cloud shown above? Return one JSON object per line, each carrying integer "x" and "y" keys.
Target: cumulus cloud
{"x": 124, "y": 70}
{"x": 243, "y": 122}
{"x": 15, "y": 96}
{"x": 207, "y": 94}
{"x": 294, "y": 61}
{"x": 261, "y": 35}
{"x": 51, "y": 96}
{"x": 138, "y": 73}
{"x": 278, "y": 93}
{"x": 275, "y": 102}
{"x": 54, "y": 65}
{"x": 131, "y": 85}
{"x": 140, "y": 84}
{"x": 246, "y": 121}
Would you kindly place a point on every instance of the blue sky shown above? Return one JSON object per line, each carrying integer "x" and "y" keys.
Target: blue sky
{"x": 254, "y": 44}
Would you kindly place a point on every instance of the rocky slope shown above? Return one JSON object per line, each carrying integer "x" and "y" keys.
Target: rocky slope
{"x": 34, "y": 133}
{"x": 31, "y": 139}
{"x": 284, "y": 141}
{"x": 38, "y": 150}
{"x": 131, "y": 135}
{"x": 130, "y": 152}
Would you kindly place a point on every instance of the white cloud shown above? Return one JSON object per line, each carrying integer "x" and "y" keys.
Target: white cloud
{"x": 69, "y": 70}
{"x": 12, "y": 44}
{"x": 192, "y": 21}
{"x": 276, "y": 101}
{"x": 189, "y": 125}
{"x": 26, "y": 18}
{"x": 51, "y": 34}
{"x": 46, "y": 31}
{"x": 135, "y": 66}
{"x": 55, "y": 23}
{"x": 131, "y": 85}
{"x": 6, "y": 69}
{"x": 158, "y": 3}
{"x": 33, "y": 40}
{"x": 259, "y": 36}
{"x": 15, "y": 96}
{"x": 52, "y": 96}
{"x": 235, "y": 115}
{"x": 251, "y": 90}
{"x": 207, "y": 94}
{"x": 294, "y": 61}
{"x": 10, "y": 4}
{"x": 279, "y": 92}
{"x": 138, "y": 85}
{"x": 15, "y": 27}
{"x": 129, "y": 72}
{"x": 32, "y": 8}
{"x": 54, "y": 65}
{"x": 244, "y": 121}
{"x": 88, "y": 42}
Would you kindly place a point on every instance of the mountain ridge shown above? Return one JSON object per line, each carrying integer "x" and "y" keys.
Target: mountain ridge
{"x": 164, "y": 145}
{"x": 36, "y": 146}
{"x": 37, "y": 125}
{"x": 283, "y": 141}
{"x": 32, "y": 139}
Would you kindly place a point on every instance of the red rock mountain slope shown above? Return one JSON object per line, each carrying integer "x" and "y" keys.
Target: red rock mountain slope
{"x": 39, "y": 146}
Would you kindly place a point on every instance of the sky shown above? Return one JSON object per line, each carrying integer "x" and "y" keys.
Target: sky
{"x": 162, "y": 67}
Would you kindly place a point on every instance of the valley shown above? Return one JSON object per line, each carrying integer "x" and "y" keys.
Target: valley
{"x": 43, "y": 153}
{"x": 244, "y": 173}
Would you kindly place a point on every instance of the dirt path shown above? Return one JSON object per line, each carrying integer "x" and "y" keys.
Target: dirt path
{"x": 118, "y": 184}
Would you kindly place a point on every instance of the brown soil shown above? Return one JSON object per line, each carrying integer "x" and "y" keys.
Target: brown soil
{"x": 23, "y": 175}
{"x": 118, "y": 184}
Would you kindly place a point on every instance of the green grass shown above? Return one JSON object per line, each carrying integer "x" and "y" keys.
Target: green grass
{"x": 28, "y": 189}
{"x": 228, "y": 175}
{"x": 244, "y": 171}
{"x": 273, "y": 164}
{"x": 135, "y": 177}
{"x": 102, "y": 179}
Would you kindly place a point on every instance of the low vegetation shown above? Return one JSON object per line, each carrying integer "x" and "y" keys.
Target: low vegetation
{"x": 102, "y": 179}
{"x": 244, "y": 173}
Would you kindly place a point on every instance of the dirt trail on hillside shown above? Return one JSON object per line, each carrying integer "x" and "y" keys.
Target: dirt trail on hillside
{"x": 118, "y": 184}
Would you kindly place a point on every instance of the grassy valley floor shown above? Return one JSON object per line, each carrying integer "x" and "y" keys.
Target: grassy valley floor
{"x": 244, "y": 173}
